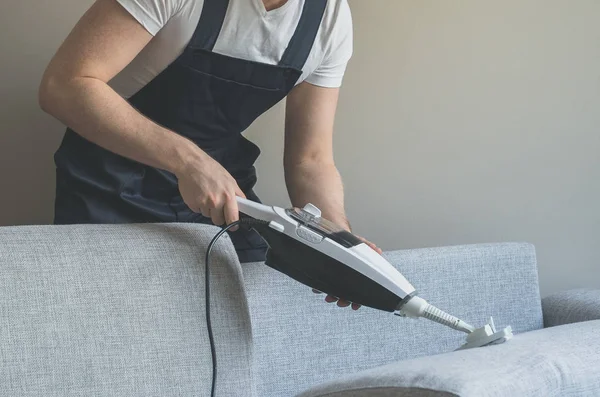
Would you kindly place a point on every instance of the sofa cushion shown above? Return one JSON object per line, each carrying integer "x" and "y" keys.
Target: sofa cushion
{"x": 301, "y": 341}
{"x": 559, "y": 361}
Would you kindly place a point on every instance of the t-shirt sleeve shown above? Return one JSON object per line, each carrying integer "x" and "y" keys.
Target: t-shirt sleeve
{"x": 152, "y": 14}
{"x": 330, "y": 72}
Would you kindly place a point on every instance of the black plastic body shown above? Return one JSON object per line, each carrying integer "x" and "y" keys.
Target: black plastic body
{"x": 324, "y": 273}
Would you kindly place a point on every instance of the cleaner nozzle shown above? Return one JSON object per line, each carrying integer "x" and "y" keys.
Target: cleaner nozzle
{"x": 418, "y": 307}
{"x": 487, "y": 335}
{"x": 434, "y": 314}
{"x": 484, "y": 336}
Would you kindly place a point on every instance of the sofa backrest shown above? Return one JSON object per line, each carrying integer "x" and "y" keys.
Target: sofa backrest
{"x": 300, "y": 340}
{"x": 119, "y": 311}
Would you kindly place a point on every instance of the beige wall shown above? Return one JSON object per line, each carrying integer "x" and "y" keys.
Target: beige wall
{"x": 31, "y": 32}
{"x": 459, "y": 122}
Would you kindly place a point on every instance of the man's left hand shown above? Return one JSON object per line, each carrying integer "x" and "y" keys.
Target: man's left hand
{"x": 370, "y": 244}
{"x": 342, "y": 302}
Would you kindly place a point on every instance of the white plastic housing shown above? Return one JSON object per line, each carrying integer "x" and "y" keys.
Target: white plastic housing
{"x": 361, "y": 257}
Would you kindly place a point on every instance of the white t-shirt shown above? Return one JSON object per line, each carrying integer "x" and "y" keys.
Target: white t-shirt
{"x": 249, "y": 32}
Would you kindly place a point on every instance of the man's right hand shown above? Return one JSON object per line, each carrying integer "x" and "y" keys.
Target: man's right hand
{"x": 209, "y": 189}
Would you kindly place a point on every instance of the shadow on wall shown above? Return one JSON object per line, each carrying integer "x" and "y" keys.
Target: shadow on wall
{"x": 26, "y": 164}
{"x": 28, "y": 136}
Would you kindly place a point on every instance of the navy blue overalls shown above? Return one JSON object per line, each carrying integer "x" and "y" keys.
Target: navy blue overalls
{"x": 205, "y": 96}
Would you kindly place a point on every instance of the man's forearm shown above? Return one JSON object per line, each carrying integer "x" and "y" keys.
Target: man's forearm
{"x": 95, "y": 111}
{"x": 320, "y": 184}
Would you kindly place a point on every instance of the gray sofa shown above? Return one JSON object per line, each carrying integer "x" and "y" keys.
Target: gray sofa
{"x": 118, "y": 310}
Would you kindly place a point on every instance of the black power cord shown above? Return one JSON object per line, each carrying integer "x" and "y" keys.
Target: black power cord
{"x": 242, "y": 221}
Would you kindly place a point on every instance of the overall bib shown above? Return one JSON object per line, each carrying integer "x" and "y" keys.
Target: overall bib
{"x": 205, "y": 96}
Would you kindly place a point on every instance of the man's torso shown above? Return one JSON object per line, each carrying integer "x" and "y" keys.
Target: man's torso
{"x": 249, "y": 32}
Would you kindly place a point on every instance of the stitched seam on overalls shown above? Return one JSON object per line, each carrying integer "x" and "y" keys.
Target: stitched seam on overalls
{"x": 230, "y": 81}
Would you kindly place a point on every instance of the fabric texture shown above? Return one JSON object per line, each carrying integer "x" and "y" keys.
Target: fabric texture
{"x": 119, "y": 310}
{"x": 571, "y": 306}
{"x": 249, "y": 32}
{"x": 393, "y": 392}
{"x": 552, "y": 362}
{"x": 300, "y": 340}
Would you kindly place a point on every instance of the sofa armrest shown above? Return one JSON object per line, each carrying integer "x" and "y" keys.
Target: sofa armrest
{"x": 556, "y": 361}
{"x": 571, "y": 306}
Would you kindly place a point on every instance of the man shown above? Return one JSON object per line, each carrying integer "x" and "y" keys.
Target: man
{"x": 156, "y": 93}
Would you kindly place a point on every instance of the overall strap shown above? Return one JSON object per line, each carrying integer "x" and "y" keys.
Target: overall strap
{"x": 302, "y": 41}
{"x": 210, "y": 24}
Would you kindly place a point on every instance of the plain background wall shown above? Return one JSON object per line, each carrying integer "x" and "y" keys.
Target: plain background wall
{"x": 459, "y": 122}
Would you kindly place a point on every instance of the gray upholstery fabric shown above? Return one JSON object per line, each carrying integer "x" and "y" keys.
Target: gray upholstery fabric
{"x": 301, "y": 341}
{"x": 119, "y": 311}
{"x": 571, "y": 306}
{"x": 393, "y": 392}
{"x": 552, "y": 362}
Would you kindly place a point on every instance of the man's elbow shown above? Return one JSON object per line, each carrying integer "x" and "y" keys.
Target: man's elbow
{"x": 314, "y": 159}
{"x": 51, "y": 93}
{"x": 47, "y": 93}
{"x": 309, "y": 165}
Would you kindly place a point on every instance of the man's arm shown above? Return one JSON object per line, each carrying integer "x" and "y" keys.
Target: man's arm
{"x": 75, "y": 90}
{"x": 310, "y": 171}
